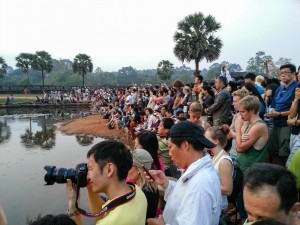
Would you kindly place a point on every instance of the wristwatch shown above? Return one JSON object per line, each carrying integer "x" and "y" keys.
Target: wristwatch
{"x": 70, "y": 214}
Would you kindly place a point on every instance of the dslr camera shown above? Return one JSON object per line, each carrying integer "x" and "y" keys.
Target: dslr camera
{"x": 78, "y": 175}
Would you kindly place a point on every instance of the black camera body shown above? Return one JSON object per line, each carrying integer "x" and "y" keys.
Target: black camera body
{"x": 209, "y": 118}
{"x": 78, "y": 175}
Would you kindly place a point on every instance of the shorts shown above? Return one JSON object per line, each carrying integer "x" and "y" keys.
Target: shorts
{"x": 279, "y": 141}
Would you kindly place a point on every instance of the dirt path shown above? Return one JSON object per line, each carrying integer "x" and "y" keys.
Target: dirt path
{"x": 93, "y": 125}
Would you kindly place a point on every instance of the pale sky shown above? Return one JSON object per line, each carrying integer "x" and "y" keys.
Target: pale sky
{"x": 139, "y": 33}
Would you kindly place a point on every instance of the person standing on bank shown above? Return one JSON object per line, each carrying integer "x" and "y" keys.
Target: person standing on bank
{"x": 221, "y": 108}
{"x": 196, "y": 197}
{"x": 280, "y": 134}
{"x": 221, "y": 160}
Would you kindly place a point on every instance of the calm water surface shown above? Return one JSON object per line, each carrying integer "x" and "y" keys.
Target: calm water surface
{"x": 29, "y": 140}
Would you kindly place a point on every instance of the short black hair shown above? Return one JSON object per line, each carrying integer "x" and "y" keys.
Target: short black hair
{"x": 112, "y": 152}
{"x": 261, "y": 174}
{"x": 167, "y": 122}
{"x": 223, "y": 80}
{"x": 170, "y": 111}
{"x": 251, "y": 76}
{"x": 200, "y": 78}
{"x": 60, "y": 219}
{"x": 290, "y": 66}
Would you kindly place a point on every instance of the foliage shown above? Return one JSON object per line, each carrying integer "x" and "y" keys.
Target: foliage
{"x": 3, "y": 67}
{"x": 281, "y": 61}
{"x": 5, "y": 132}
{"x": 256, "y": 64}
{"x": 127, "y": 71}
{"x": 42, "y": 62}
{"x": 24, "y": 62}
{"x": 215, "y": 69}
{"x": 195, "y": 39}
{"x": 82, "y": 65}
{"x": 165, "y": 70}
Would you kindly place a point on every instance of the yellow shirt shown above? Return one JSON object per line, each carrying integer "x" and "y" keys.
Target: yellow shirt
{"x": 130, "y": 213}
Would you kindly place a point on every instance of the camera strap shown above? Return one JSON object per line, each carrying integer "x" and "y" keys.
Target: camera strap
{"x": 111, "y": 205}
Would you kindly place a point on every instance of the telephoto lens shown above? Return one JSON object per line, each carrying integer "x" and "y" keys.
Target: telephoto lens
{"x": 78, "y": 175}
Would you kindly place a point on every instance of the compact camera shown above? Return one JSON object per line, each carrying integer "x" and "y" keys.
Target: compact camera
{"x": 78, "y": 175}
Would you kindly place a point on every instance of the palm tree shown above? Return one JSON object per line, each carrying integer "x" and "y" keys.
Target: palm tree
{"x": 82, "y": 64}
{"x": 165, "y": 70}
{"x": 3, "y": 67}
{"x": 195, "y": 40}
{"x": 42, "y": 62}
{"x": 24, "y": 62}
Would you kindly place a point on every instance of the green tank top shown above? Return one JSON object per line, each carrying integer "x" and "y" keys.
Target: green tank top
{"x": 251, "y": 156}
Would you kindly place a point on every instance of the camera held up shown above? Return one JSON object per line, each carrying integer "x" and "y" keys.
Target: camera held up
{"x": 78, "y": 175}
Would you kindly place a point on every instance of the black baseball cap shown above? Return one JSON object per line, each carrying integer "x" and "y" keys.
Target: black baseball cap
{"x": 190, "y": 129}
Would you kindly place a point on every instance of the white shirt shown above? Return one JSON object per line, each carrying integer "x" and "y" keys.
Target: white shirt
{"x": 196, "y": 197}
{"x": 227, "y": 75}
{"x": 151, "y": 121}
{"x": 129, "y": 100}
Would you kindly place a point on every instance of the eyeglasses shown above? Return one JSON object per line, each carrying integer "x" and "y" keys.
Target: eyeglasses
{"x": 285, "y": 72}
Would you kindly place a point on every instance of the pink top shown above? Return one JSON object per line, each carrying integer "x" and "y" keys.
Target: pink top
{"x": 162, "y": 166}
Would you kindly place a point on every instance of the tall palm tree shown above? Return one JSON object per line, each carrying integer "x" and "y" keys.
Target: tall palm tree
{"x": 42, "y": 62}
{"x": 24, "y": 62}
{"x": 82, "y": 64}
{"x": 3, "y": 67}
{"x": 195, "y": 40}
{"x": 165, "y": 70}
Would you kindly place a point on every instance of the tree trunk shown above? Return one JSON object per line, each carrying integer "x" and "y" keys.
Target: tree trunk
{"x": 28, "y": 82}
{"x": 197, "y": 71}
{"x": 83, "y": 80}
{"x": 43, "y": 79}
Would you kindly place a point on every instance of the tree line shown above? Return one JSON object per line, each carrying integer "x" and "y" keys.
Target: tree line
{"x": 194, "y": 40}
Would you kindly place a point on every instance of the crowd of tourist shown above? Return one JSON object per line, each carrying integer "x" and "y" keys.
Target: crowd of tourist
{"x": 202, "y": 152}
{"x": 248, "y": 121}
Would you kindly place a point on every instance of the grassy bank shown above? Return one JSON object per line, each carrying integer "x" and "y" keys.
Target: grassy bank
{"x": 20, "y": 98}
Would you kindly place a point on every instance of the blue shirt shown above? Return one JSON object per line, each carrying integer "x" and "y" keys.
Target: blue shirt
{"x": 259, "y": 89}
{"x": 282, "y": 102}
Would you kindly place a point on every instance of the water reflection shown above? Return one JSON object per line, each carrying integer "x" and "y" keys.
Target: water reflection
{"x": 28, "y": 142}
{"x": 84, "y": 140}
{"x": 44, "y": 138}
{"x": 41, "y": 130}
{"x": 5, "y": 132}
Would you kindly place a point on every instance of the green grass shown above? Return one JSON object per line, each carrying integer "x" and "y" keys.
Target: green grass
{"x": 20, "y": 98}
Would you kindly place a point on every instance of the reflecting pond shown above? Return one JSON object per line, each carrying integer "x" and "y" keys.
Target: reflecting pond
{"x": 29, "y": 140}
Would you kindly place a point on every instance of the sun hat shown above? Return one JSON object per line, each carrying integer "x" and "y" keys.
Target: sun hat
{"x": 141, "y": 158}
{"x": 190, "y": 129}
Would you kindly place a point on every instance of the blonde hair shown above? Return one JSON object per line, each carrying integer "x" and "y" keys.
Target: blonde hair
{"x": 240, "y": 93}
{"x": 250, "y": 103}
{"x": 259, "y": 79}
{"x": 187, "y": 88}
{"x": 143, "y": 181}
{"x": 196, "y": 108}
